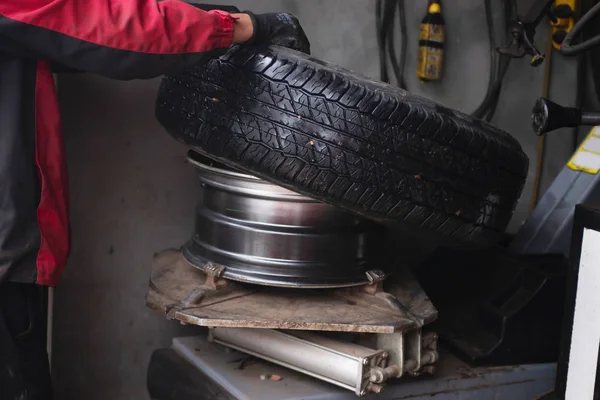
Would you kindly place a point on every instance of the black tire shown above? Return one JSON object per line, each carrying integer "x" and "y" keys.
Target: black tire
{"x": 362, "y": 145}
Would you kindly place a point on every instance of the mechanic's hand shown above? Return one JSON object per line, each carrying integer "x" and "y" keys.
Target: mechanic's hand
{"x": 279, "y": 29}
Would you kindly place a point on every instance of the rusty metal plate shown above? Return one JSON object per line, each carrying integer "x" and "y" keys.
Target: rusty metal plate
{"x": 179, "y": 291}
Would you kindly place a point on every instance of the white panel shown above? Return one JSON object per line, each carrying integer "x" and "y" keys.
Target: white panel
{"x": 581, "y": 376}
{"x": 592, "y": 144}
{"x": 586, "y": 160}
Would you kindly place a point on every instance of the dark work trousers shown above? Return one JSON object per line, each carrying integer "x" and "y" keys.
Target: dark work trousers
{"x": 24, "y": 367}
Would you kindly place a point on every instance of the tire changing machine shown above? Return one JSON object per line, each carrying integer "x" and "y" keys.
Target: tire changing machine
{"x": 289, "y": 317}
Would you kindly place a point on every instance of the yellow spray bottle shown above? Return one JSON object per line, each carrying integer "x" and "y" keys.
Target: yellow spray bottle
{"x": 431, "y": 43}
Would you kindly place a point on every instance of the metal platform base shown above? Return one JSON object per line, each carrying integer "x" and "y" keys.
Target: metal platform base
{"x": 195, "y": 369}
{"x": 191, "y": 296}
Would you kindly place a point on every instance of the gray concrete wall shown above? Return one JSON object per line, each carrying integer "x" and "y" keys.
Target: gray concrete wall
{"x": 132, "y": 193}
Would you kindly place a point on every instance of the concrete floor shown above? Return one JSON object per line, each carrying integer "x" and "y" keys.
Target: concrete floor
{"x": 132, "y": 193}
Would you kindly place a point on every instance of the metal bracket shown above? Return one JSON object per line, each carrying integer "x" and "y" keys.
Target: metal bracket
{"x": 523, "y": 32}
{"x": 412, "y": 353}
{"x": 214, "y": 274}
{"x": 212, "y": 286}
{"x": 375, "y": 285}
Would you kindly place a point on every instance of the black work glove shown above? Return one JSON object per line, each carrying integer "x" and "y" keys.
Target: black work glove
{"x": 281, "y": 29}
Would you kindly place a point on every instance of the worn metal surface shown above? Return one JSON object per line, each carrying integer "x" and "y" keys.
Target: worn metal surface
{"x": 264, "y": 234}
{"x": 453, "y": 380}
{"x": 341, "y": 363}
{"x": 363, "y": 309}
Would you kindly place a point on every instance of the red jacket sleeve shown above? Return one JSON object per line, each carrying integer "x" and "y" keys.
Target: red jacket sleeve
{"x": 122, "y": 39}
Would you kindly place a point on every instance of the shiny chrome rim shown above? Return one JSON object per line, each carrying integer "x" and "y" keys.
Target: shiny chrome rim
{"x": 278, "y": 237}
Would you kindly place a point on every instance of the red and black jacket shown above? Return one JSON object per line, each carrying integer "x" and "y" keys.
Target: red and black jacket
{"x": 122, "y": 39}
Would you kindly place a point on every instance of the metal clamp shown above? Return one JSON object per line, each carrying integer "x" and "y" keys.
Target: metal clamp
{"x": 375, "y": 278}
{"x": 523, "y": 33}
{"x": 211, "y": 286}
{"x": 214, "y": 274}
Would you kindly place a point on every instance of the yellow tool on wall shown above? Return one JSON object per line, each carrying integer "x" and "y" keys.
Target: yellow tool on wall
{"x": 563, "y": 13}
{"x": 431, "y": 43}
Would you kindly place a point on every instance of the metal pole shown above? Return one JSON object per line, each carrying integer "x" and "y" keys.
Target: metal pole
{"x": 49, "y": 323}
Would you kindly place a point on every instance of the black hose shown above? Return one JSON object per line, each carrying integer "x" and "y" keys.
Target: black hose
{"x": 385, "y": 12}
{"x": 386, "y": 17}
{"x": 404, "y": 36}
{"x": 397, "y": 66}
{"x": 381, "y": 42}
{"x": 499, "y": 65}
{"x": 389, "y": 10}
{"x": 484, "y": 108}
{"x": 570, "y": 50}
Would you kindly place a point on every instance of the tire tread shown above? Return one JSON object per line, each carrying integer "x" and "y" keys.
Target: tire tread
{"x": 365, "y": 146}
